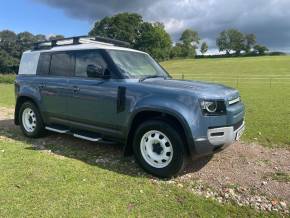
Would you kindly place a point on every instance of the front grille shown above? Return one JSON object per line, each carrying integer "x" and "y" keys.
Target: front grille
{"x": 238, "y": 124}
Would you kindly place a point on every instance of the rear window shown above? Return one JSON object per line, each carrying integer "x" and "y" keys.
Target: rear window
{"x": 43, "y": 64}
{"x": 62, "y": 64}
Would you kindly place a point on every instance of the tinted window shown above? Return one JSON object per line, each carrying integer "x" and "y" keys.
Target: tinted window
{"x": 43, "y": 64}
{"x": 62, "y": 64}
{"x": 85, "y": 58}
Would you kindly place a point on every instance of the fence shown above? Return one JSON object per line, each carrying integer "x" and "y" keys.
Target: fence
{"x": 268, "y": 80}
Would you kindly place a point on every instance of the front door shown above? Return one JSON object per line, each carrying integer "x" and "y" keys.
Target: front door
{"x": 93, "y": 103}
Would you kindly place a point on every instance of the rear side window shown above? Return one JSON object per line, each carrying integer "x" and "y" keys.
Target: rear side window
{"x": 62, "y": 64}
{"x": 43, "y": 64}
{"x": 85, "y": 58}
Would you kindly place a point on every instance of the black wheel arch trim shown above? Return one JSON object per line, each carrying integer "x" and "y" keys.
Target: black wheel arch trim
{"x": 18, "y": 104}
{"x": 175, "y": 114}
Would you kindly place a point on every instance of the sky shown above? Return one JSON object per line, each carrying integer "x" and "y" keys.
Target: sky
{"x": 268, "y": 19}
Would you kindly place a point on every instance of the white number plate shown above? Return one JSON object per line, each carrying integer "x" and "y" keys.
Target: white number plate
{"x": 240, "y": 133}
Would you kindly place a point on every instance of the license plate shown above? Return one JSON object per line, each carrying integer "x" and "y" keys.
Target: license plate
{"x": 240, "y": 133}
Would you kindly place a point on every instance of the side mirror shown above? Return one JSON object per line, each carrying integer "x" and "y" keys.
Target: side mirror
{"x": 95, "y": 71}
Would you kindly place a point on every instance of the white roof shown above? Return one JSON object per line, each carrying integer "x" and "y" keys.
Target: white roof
{"x": 85, "y": 46}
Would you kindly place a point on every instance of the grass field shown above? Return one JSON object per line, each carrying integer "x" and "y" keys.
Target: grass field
{"x": 264, "y": 84}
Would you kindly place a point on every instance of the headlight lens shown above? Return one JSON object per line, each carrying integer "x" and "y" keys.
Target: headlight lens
{"x": 213, "y": 107}
{"x": 210, "y": 106}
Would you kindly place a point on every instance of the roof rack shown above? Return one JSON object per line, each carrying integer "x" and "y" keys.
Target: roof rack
{"x": 76, "y": 40}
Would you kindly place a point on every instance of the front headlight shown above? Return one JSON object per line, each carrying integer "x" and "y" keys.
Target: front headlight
{"x": 213, "y": 107}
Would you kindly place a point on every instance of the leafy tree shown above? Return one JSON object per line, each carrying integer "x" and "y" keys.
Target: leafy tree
{"x": 190, "y": 37}
{"x": 130, "y": 27}
{"x": 260, "y": 49}
{"x": 203, "y": 48}
{"x": 250, "y": 41}
{"x": 154, "y": 40}
{"x": 7, "y": 36}
{"x": 39, "y": 38}
{"x": 237, "y": 40}
{"x": 55, "y": 37}
{"x": 231, "y": 40}
{"x": 190, "y": 41}
{"x": 123, "y": 26}
{"x": 223, "y": 42}
{"x": 176, "y": 51}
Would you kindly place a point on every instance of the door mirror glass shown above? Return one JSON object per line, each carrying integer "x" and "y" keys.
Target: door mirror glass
{"x": 95, "y": 71}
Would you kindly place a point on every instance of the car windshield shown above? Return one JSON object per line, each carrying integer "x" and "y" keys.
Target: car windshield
{"x": 136, "y": 64}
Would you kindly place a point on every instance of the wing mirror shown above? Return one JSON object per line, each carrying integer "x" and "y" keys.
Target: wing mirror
{"x": 96, "y": 71}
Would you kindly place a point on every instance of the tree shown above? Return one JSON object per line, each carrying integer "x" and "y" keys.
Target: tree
{"x": 190, "y": 40}
{"x": 203, "y": 48}
{"x": 231, "y": 40}
{"x": 250, "y": 41}
{"x": 260, "y": 49}
{"x": 55, "y": 37}
{"x": 123, "y": 26}
{"x": 7, "y": 36}
{"x": 154, "y": 40}
{"x": 223, "y": 42}
{"x": 190, "y": 37}
{"x": 130, "y": 27}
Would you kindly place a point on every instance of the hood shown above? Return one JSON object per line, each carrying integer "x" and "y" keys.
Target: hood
{"x": 201, "y": 89}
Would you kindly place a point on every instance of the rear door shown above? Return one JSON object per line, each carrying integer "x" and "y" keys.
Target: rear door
{"x": 55, "y": 69}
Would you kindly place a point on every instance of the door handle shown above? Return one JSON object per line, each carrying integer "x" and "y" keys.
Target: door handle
{"x": 41, "y": 85}
{"x": 76, "y": 89}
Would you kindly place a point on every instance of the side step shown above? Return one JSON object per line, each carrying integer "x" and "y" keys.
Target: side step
{"x": 90, "y": 136}
{"x": 87, "y": 138}
{"x": 57, "y": 129}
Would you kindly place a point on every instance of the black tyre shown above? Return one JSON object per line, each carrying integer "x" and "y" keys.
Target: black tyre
{"x": 30, "y": 120}
{"x": 159, "y": 149}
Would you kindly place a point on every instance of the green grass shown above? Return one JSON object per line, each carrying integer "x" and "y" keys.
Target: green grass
{"x": 264, "y": 84}
{"x": 279, "y": 176}
{"x": 7, "y": 98}
{"x": 7, "y": 78}
{"x": 41, "y": 184}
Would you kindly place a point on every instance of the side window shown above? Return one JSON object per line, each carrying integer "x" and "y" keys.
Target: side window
{"x": 86, "y": 58}
{"x": 43, "y": 64}
{"x": 62, "y": 64}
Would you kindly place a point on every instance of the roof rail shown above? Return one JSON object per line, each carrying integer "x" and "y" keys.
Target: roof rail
{"x": 75, "y": 40}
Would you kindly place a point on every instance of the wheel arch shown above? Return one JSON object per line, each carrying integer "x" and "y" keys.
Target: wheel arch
{"x": 173, "y": 118}
{"x": 20, "y": 100}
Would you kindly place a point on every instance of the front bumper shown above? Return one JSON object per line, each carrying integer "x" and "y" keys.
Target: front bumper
{"x": 217, "y": 138}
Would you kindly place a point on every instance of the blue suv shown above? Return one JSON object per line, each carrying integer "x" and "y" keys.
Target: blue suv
{"x": 99, "y": 90}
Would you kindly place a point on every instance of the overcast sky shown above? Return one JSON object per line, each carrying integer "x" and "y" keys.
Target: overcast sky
{"x": 268, "y": 19}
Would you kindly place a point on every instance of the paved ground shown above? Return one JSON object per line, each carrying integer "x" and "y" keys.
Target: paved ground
{"x": 248, "y": 174}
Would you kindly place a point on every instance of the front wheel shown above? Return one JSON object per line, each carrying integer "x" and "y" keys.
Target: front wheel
{"x": 159, "y": 149}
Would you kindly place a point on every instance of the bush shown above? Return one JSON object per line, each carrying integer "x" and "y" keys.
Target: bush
{"x": 7, "y": 78}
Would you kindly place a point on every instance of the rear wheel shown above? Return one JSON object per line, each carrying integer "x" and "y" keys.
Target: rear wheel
{"x": 30, "y": 120}
{"x": 159, "y": 148}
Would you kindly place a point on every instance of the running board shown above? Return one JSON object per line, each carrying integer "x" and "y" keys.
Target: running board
{"x": 57, "y": 130}
{"x": 87, "y": 138}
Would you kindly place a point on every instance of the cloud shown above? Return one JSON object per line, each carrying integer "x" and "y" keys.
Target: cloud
{"x": 269, "y": 20}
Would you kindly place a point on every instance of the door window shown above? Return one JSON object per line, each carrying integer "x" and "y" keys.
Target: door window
{"x": 86, "y": 58}
{"x": 43, "y": 64}
{"x": 62, "y": 64}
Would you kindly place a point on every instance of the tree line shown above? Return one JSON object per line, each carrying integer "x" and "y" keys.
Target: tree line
{"x": 145, "y": 36}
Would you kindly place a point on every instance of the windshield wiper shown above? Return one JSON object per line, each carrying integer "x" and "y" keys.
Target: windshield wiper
{"x": 152, "y": 76}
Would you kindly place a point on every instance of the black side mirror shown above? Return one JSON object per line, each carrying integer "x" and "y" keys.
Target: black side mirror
{"x": 95, "y": 71}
